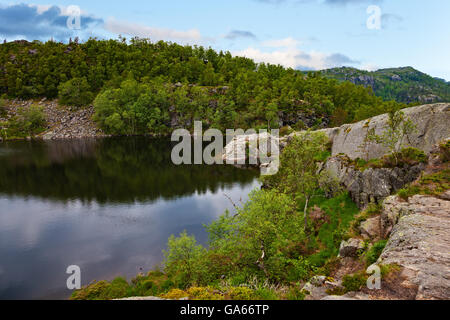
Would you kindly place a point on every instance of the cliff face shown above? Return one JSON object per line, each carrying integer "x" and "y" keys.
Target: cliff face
{"x": 432, "y": 126}
{"x": 374, "y": 184}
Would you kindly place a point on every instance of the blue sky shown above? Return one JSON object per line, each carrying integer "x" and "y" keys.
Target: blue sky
{"x": 302, "y": 34}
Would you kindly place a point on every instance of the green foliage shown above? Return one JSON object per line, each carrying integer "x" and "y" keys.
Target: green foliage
{"x": 340, "y": 212}
{"x": 354, "y": 282}
{"x": 405, "y": 85}
{"x": 153, "y": 284}
{"x": 432, "y": 184}
{"x": 285, "y": 131}
{"x": 261, "y": 239}
{"x": 183, "y": 260}
{"x": 186, "y": 83}
{"x": 28, "y": 122}
{"x": 75, "y": 92}
{"x": 398, "y": 127}
{"x": 295, "y": 293}
{"x": 298, "y": 172}
{"x": 445, "y": 151}
{"x": 3, "y": 111}
{"x": 94, "y": 291}
{"x": 405, "y": 157}
{"x": 375, "y": 251}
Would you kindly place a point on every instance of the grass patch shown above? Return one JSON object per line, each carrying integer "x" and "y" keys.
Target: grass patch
{"x": 406, "y": 157}
{"x": 152, "y": 284}
{"x": 433, "y": 184}
{"x": 375, "y": 252}
{"x": 340, "y": 211}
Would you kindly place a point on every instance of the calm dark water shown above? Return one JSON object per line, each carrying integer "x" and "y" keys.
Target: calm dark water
{"x": 106, "y": 205}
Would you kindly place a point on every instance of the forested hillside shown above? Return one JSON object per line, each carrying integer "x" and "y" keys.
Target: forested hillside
{"x": 401, "y": 84}
{"x": 140, "y": 87}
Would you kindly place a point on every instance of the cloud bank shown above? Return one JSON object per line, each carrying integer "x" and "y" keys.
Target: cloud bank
{"x": 287, "y": 53}
{"x": 40, "y": 22}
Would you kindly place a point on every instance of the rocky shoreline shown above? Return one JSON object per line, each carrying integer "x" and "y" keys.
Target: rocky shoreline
{"x": 63, "y": 122}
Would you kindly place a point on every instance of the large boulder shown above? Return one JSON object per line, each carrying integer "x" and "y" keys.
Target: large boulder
{"x": 371, "y": 228}
{"x": 351, "y": 248}
{"x": 419, "y": 243}
{"x": 432, "y": 126}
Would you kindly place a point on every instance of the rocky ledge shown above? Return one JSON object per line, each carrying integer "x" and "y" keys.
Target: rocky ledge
{"x": 419, "y": 242}
{"x": 374, "y": 184}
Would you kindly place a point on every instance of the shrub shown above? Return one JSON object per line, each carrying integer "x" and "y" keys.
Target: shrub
{"x": 29, "y": 121}
{"x": 285, "y": 131}
{"x": 208, "y": 293}
{"x": 295, "y": 293}
{"x": 94, "y": 291}
{"x": 75, "y": 92}
{"x": 432, "y": 184}
{"x": 118, "y": 288}
{"x": 2, "y": 108}
{"x": 354, "y": 282}
{"x": 375, "y": 251}
{"x": 407, "y": 156}
{"x": 445, "y": 151}
{"x": 266, "y": 294}
{"x": 183, "y": 260}
{"x": 242, "y": 293}
{"x": 175, "y": 294}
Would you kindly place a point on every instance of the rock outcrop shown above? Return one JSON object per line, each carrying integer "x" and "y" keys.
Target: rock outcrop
{"x": 432, "y": 126}
{"x": 419, "y": 242}
{"x": 372, "y": 185}
{"x": 351, "y": 248}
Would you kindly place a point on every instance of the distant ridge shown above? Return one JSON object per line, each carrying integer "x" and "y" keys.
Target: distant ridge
{"x": 404, "y": 84}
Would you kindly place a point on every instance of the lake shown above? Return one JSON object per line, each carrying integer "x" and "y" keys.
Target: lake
{"x": 107, "y": 205}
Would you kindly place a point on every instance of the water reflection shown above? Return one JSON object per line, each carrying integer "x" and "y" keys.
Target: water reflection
{"x": 105, "y": 205}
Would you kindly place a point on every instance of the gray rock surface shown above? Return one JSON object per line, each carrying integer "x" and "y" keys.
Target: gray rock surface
{"x": 432, "y": 123}
{"x": 419, "y": 242}
{"x": 351, "y": 248}
{"x": 372, "y": 185}
{"x": 371, "y": 228}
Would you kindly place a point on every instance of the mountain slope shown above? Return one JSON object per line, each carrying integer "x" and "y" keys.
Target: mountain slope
{"x": 401, "y": 84}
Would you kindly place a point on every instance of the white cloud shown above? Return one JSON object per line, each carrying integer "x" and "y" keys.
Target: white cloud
{"x": 282, "y": 43}
{"x": 287, "y": 53}
{"x": 155, "y": 34}
{"x": 369, "y": 67}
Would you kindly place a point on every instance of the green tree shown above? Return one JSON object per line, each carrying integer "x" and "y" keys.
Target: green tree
{"x": 299, "y": 172}
{"x": 75, "y": 92}
{"x": 183, "y": 259}
{"x": 398, "y": 127}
